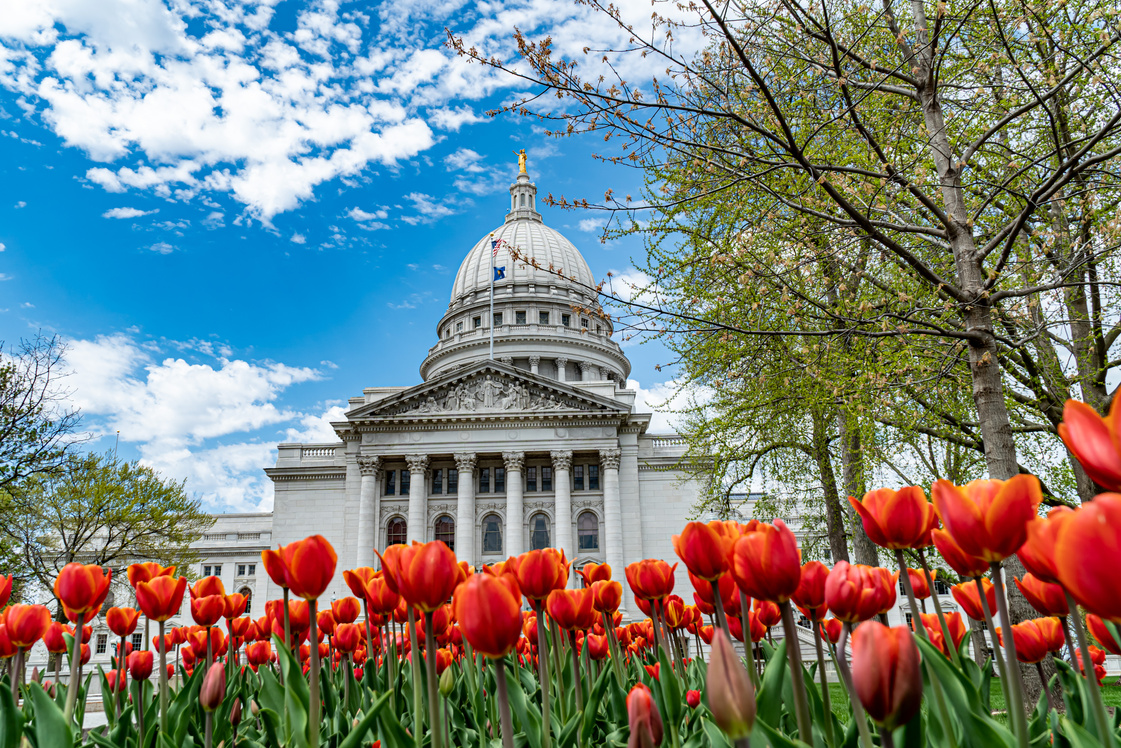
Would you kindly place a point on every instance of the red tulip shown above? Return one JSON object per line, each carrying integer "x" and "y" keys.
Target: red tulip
{"x": 346, "y": 610}
{"x": 1097, "y": 659}
{"x": 954, "y": 623}
{"x": 731, "y": 697}
{"x": 162, "y": 597}
{"x": 325, "y": 622}
{"x": 213, "y": 689}
{"x": 258, "y": 653}
{"x": 768, "y": 613}
{"x": 832, "y": 628}
{"x": 53, "y": 638}
{"x": 653, "y": 670}
{"x": 140, "y": 664}
{"x": 488, "y": 609}
{"x": 693, "y": 698}
{"x": 897, "y": 519}
{"x": 235, "y": 605}
{"x": 918, "y": 582}
{"x": 207, "y": 587}
{"x": 309, "y": 566}
{"x": 1088, "y": 555}
{"x": 84, "y": 657}
{"x": 274, "y": 567}
{"x": 988, "y": 518}
{"x": 1052, "y": 630}
{"x": 1048, "y": 599}
{"x": 571, "y": 609}
{"x": 705, "y": 549}
{"x": 810, "y": 595}
{"x": 1102, "y": 633}
{"x": 598, "y": 648}
{"x": 5, "y": 590}
{"x": 207, "y": 610}
{"x": 541, "y": 572}
{"x": 1031, "y": 646}
{"x": 1094, "y": 441}
{"x": 959, "y": 560}
{"x": 379, "y": 596}
{"x": 645, "y": 720}
{"x": 7, "y": 649}
{"x": 27, "y": 624}
{"x": 1038, "y": 552}
{"x": 347, "y": 637}
{"x": 886, "y": 674}
{"x": 122, "y": 621}
{"x": 766, "y": 563}
{"x": 356, "y": 580}
{"x": 650, "y": 579}
{"x": 81, "y": 588}
{"x": 970, "y": 600}
{"x": 148, "y": 571}
{"x": 593, "y": 572}
{"x": 855, "y": 592}
{"x": 607, "y": 596}
{"x": 425, "y": 574}
{"x": 115, "y": 684}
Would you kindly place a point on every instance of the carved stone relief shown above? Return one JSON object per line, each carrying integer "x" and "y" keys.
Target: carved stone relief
{"x": 489, "y": 392}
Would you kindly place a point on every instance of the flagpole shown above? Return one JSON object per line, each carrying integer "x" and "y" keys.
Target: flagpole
{"x": 492, "y": 254}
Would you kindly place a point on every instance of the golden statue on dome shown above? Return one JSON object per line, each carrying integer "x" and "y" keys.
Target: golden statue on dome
{"x": 521, "y": 161}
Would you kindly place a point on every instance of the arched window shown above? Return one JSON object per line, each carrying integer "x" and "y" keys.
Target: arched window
{"x": 397, "y": 531}
{"x": 492, "y": 534}
{"x": 248, "y": 599}
{"x": 445, "y": 531}
{"x": 587, "y": 531}
{"x": 538, "y": 532}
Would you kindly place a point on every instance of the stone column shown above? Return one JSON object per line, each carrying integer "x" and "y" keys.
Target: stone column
{"x": 562, "y": 486}
{"x": 612, "y": 511}
{"x": 368, "y": 514}
{"x": 418, "y": 497}
{"x": 561, "y": 363}
{"x": 515, "y": 513}
{"x": 534, "y": 361}
{"x": 465, "y": 507}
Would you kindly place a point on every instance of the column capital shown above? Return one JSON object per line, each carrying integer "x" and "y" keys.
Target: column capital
{"x": 534, "y": 360}
{"x": 418, "y": 464}
{"x": 610, "y": 458}
{"x": 465, "y": 461}
{"x": 514, "y": 460}
{"x": 562, "y": 459}
{"x": 369, "y": 465}
{"x": 585, "y": 367}
{"x": 508, "y": 360}
{"x": 562, "y": 362}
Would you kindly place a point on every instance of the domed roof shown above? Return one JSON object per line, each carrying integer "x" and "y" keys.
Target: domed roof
{"x": 525, "y": 233}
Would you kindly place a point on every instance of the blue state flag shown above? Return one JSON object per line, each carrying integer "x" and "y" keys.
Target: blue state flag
{"x": 500, "y": 273}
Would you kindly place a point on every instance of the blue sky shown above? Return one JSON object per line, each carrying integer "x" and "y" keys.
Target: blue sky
{"x": 238, "y": 214}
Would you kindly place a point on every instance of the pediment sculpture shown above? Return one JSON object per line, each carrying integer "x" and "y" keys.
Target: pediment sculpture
{"x": 488, "y": 392}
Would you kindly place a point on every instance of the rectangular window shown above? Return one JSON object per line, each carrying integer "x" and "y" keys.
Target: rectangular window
{"x": 593, "y": 477}
{"x": 206, "y": 571}
{"x": 437, "y": 481}
{"x": 908, "y": 620}
{"x": 941, "y": 588}
{"x": 453, "y": 480}
{"x": 218, "y": 570}
{"x": 102, "y": 642}
{"x": 546, "y": 478}
{"x": 252, "y": 569}
{"x": 390, "y": 482}
{"x": 137, "y": 641}
{"x": 566, "y": 320}
{"x": 542, "y": 318}
{"x": 578, "y": 477}
{"x": 477, "y": 322}
{"x": 484, "y": 480}
{"x": 531, "y": 478}
{"x": 498, "y": 319}
{"x": 584, "y": 323}
{"x": 459, "y": 327}
{"x": 499, "y": 480}
{"x": 241, "y": 570}
{"x": 599, "y": 329}
{"x": 406, "y": 479}
{"x": 519, "y": 318}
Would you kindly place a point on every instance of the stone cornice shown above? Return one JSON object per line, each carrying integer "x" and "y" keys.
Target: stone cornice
{"x": 306, "y": 473}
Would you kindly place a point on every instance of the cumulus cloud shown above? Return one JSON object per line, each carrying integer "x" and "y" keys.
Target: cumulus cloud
{"x": 429, "y": 210}
{"x": 360, "y": 215}
{"x": 665, "y": 401}
{"x": 162, "y": 248}
{"x": 127, "y": 213}
{"x": 464, "y": 159}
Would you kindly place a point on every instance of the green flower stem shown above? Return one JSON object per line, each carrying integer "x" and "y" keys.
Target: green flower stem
{"x": 542, "y": 675}
{"x": 504, "y": 716}
{"x": 613, "y": 645}
{"x": 1011, "y": 667}
{"x": 745, "y": 624}
{"x": 17, "y": 675}
{"x": 846, "y": 676}
{"x": 992, "y": 635}
{"x": 366, "y": 624}
{"x": 826, "y": 701}
{"x": 430, "y": 666}
{"x": 938, "y": 610}
{"x": 75, "y": 664}
{"x": 163, "y": 681}
{"x": 313, "y": 677}
{"x": 577, "y": 680}
{"x": 418, "y": 709}
{"x": 718, "y": 603}
{"x": 794, "y": 659}
{"x": 1097, "y": 705}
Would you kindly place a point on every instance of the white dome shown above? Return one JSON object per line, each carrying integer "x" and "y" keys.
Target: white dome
{"x": 531, "y": 239}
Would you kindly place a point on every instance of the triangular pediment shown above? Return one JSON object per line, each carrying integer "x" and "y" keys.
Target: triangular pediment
{"x": 487, "y": 388}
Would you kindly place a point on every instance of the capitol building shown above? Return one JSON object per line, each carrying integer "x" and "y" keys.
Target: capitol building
{"x": 521, "y": 434}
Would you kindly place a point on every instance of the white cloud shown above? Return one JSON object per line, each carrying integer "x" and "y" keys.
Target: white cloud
{"x": 162, "y": 248}
{"x": 21, "y": 204}
{"x": 464, "y": 159}
{"x": 26, "y": 305}
{"x": 593, "y": 225}
{"x": 627, "y": 284}
{"x": 428, "y": 209}
{"x": 299, "y": 239}
{"x": 453, "y": 119}
{"x": 316, "y": 429}
{"x": 2, "y": 246}
{"x": 5, "y": 277}
{"x": 360, "y": 215}
{"x": 127, "y": 213}
{"x": 665, "y": 401}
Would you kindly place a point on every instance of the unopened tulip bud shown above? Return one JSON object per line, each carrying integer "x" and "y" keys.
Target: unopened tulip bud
{"x": 36, "y": 676}
{"x": 235, "y": 713}
{"x": 645, "y": 720}
{"x": 731, "y": 697}
{"x": 253, "y": 708}
{"x": 693, "y": 699}
{"x": 213, "y": 687}
{"x": 447, "y": 682}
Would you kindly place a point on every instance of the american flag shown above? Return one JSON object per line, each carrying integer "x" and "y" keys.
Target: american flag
{"x": 494, "y": 247}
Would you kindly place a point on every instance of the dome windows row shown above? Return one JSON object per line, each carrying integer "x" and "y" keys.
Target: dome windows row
{"x": 493, "y": 532}
{"x": 520, "y": 318}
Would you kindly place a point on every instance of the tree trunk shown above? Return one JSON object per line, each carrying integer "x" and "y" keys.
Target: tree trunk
{"x": 834, "y": 512}
{"x": 852, "y": 471}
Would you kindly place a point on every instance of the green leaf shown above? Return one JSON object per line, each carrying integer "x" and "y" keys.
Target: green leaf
{"x": 716, "y": 736}
{"x": 297, "y": 697}
{"x": 354, "y": 739}
{"x": 527, "y": 714}
{"x": 769, "y": 702}
{"x": 11, "y": 720}
{"x": 50, "y": 727}
{"x": 670, "y": 687}
{"x": 592, "y": 708}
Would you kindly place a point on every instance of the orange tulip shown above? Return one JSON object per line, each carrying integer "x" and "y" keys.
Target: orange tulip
{"x": 1048, "y": 599}
{"x": 122, "y": 621}
{"x": 970, "y": 600}
{"x": 346, "y": 610}
{"x": 645, "y": 720}
{"x": 988, "y": 518}
{"x": 5, "y": 590}
{"x": 959, "y": 560}
{"x": 541, "y": 572}
{"x": 347, "y": 637}
{"x": 207, "y": 610}
{"x": 650, "y": 579}
{"x": 918, "y": 582}
{"x": 607, "y": 596}
{"x": 241, "y": 628}
{"x": 855, "y": 592}
{"x": 206, "y": 587}
{"x": 489, "y": 612}
{"x": 755, "y": 627}
{"x": 1094, "y": 441}
{"x": 598, "y": 648}
{"x": 274, "y": 567}
{"x": 27, "y": 624}
{"x": 309, "y": 566}
{"x": 356, "y": 580}
{"x": 704, "y": 549}
{"x": 425, "y": 574}
{"x": 1088, "y": 555}
{"x": 53, "y": 638}
{"x": 148, "y": 571}
{"x": 161, "y": 597}
{"x": 325, "y": 622}
{"x": 729, "y": 594}
{"x": 832, "y": 628}
{"x": 954, "y": 623}
{"x": 766, "y": 563}
{"x": 258, "y": 653}
{"x": 81, "y": 588}
{"x": 235, "y": 605}
{"x": 1102, "y": 633}
{"x": 1038, "y": 552}
{"x": 593, "y": 572}
{"x": 897, "y": 519}
{"x": 1031, "y": 645}
{"x": 140, "y": 664}
{"x": 886, "y": 674}
{"x": 571, "y": 609}
{"x": 769, "y": 613}
{"x": 1052, "y": 630}
{"x": 378, "y": 595}
{"x": 810, "y": 595}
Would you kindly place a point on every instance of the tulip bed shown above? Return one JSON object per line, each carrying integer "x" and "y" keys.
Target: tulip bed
{"x": 431, "y": 652}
